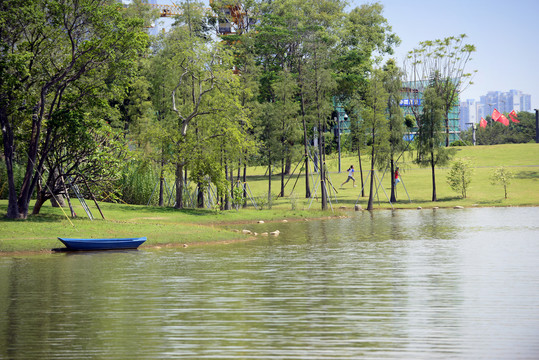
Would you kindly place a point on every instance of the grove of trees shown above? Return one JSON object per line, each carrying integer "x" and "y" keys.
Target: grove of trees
{"x": 88, "y": 97}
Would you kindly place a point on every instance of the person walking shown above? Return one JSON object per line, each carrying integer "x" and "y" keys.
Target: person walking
{"x": 350, "y": 176}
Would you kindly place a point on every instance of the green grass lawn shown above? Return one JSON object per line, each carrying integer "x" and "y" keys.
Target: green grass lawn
{"x": 162, "y": 226}
{"x": 170, "y": 226}
{"x": 521, "y": 159}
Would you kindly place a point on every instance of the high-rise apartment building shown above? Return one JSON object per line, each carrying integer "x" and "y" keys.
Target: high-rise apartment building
{"x": 468, "y": 114}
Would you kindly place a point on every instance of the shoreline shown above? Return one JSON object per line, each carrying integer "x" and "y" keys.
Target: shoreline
{"x": 341, "y": 212}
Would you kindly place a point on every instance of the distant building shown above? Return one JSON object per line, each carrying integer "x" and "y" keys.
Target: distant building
{"x": 411, "y": 103}
{"x": 472, "y": 111}
{"x": 343, "y": 121}
{"x": 468, "y": 114}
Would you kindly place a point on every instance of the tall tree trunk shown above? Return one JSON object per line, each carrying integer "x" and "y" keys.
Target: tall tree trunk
{"x": 7, "y": 137}
{"x": 393, "y": 197}
{"x": 433, "y": 165}
{"x": 307, "y": 184}
{"x": 361, "y": 171}
{"x": 40, "y": 200}
{"x": 269, "y": 178}
{"x": 200, "y": 196}
{"x": 370, "y": 205}
{"x": 179, "y": 186}
{"x": 219, "y": 194}
{"x": 227, "y": 195}
{"x": 281, "y": 194}
{"x": 32, "y": 172}
{"x": 232, "y": 183}
{"x": 245, "y": 184}
{"x": 305, "y": 141}
{"x": 447, "y": 131}
{"x": 321, "y": 167}
{"x": 58, "y": 201}
{"x": 23, "y": 202}
{"x": 288, "y": 165}
{"x": 162, "y": 182}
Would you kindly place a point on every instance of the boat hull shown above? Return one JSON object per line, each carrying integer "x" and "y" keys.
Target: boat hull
{"x": 102, "y": 244}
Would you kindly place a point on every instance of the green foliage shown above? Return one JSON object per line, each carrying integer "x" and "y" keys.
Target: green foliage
{"x": 502, "y": 176}
{"x": 459, "y": 143}
{"x": 59, "y": 57}
{"x": 431, "y": 148}
{"x": 237, "y": 197}
{"x": 392, "y": 78}
{"x": 365, "y": 35}
{"x": 205, "y": 171}
{"x": 138, "y": 180}
{"x": 374, "y": 121}
{"x": 409, "y": 121}
{"x": 431, "y": 137}
{"x": 460, "y": 176}
{"x": 190, "y": 103}
{"x": 374, "y": 124}
{"x": 18, "y": 177}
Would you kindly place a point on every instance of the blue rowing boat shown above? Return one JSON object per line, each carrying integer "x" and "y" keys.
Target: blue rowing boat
{"x": 102, "y": 244}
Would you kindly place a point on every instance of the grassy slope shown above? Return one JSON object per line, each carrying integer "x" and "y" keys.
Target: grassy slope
{"x": 165, "y": 225}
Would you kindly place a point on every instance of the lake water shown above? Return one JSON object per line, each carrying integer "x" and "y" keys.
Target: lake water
{"x": 429, "y": 284}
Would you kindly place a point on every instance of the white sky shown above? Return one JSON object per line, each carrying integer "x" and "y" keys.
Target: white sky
{"x": 505, "y": 33}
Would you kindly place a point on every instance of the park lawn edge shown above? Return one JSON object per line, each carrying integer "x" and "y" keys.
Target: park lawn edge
{"x": 168, "y": 226}
{"x": 218, "y": 232}
{"x": 164, "y": 227}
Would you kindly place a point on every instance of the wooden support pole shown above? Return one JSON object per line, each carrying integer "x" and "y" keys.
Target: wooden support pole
{"x": 73, "y": 214}
{"x": 93, "y": 198}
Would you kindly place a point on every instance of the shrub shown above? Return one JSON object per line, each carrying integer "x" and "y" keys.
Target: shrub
{"x": 460, "y": 176}
{"x": 459, "y": 143}
{"x": 501, "y": 176}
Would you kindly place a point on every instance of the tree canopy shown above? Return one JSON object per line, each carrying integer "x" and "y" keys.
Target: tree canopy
{"x": 85, "y": 93}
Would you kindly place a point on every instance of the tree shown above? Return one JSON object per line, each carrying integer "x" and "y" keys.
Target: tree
{"x": 242, "y": 44}
{"x": 143, "y": 10}
{"x": 431, "y": 136}
{"x": 85, "y": 151}
{"x": 287, "y": 108}
{"x": 56, "y": 55}
{"x": 319, "y": 86}
{"x": 365, "y": 35}
{"x": 205, "y": 97}
{"x": 460, "y": 176}
{"x": 392, "y": 77}
{"x": 318, "y": 83}
{"x": 358, "y": 141}
{"x": 375, "y": 124}
{"x": 278, "y": 45}
{"x": 502, "y": 176}
{"x": 447, "y": 58}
